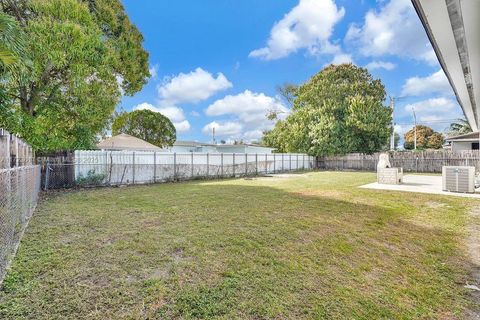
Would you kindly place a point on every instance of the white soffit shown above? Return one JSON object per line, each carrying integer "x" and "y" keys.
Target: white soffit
{"x": 453, "y": 28}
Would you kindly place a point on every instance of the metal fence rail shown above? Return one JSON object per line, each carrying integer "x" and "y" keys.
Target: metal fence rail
{"x": 19, "y": 189}
{"x": 98, "y": 168}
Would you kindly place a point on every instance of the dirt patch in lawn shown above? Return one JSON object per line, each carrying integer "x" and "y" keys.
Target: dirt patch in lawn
{"x": 321, "y": 193}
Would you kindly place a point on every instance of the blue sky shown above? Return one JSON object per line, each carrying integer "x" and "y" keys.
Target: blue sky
{"x": 217, "y": 63}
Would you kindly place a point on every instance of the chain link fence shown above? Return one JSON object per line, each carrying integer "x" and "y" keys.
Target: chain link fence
{"x": 19, "y": 188}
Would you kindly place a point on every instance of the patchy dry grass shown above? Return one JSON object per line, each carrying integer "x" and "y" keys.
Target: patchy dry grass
{"x": 308, "y": 246}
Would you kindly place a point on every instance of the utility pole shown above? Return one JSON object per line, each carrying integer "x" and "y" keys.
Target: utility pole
{"x": 415, "y": 130}
{"x": 213, "y": 135}
{"x": 392, "y": 138}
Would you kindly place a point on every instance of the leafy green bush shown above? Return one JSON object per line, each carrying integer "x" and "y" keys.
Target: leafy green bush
{"x": 91, "y": 178}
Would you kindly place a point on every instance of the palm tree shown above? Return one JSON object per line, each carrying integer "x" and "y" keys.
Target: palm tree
{"x": 11, "y": 42}
{"x": 460, "y": 126}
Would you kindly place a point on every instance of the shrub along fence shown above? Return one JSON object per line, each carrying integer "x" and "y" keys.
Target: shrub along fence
{"x": 19, "y": 188}
{"x": 430, "y": 161}
{"x": 104, "y": 168}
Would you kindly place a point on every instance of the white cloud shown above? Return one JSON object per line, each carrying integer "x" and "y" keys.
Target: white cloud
{"x": 223, "y": 129}
{"x": 253, "y": 135}
{"x": 380, "y": 65}
{"x": 395, "y": 29}
{"x": 440, "y": 108}
{"x": 145, "y": 106}
{"x": 192, "y": 87}
{"x": 435, "y": 83}
{"x": 175, "y": 114}
{"x": 401, "y": 130}
{"x": 182, "y": 126}
{"x": 153, "y": 71}
{"x": 342, "y": 58}
{"x": 437, "y": 113}
{"x": 248, "y": 106}
{"x": 249, "y": 111}
{"x": 309, "y": 26}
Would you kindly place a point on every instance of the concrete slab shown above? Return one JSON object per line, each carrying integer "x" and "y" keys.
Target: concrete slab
{"x": 421, "y": 184}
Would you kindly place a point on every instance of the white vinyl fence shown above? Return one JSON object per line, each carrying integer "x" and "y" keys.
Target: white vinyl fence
{"x": 128, "y": 167}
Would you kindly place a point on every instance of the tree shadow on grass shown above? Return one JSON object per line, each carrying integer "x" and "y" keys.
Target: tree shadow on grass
{"x": 203, "y": 250}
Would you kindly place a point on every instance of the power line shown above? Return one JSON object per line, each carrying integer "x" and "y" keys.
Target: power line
{"x": 440, "y": 121}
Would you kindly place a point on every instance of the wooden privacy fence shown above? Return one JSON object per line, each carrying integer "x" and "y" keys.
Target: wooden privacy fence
{"x": 430, "y": 161}
{"x": 14, "y": 152}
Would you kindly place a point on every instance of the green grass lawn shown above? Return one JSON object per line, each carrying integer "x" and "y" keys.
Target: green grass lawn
{"x": 308, "y": 246}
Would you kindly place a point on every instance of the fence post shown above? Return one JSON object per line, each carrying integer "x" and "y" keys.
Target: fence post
{"x": 246, "y": 162}
{"x": 106, "y": 167}
{"x": 4, "y": 149}
{"x": 174, "y": 166}
{"x": 16, "y": 152}
{"x": 221, "y": 164}
{"x": 154, "y": 166}
{"x": 234, "y": 164}
{"x": 191, "y": 162}
{"x": 266, "y": 163}
{"x": 274, "y": 163}
{"x": 47, "y": 173}
{"x": 256, "y": 164}
{"x": 133, "y": 167}
{"x": 208, "y": 165}
{"x": 290, "y": 162}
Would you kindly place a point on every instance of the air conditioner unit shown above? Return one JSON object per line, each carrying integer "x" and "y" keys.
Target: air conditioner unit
{"x": 458, "y": 179}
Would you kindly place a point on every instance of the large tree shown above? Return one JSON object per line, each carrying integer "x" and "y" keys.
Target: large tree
{"x": 427, "y": 138}
{"x": 150, "y": 126}
{"x": 83, "y": 54}
{"x": 459, "y": 127}
{"x": 12, "y": 51}
{"x": 12, "y": 43}
{"x": 339, "y": 110}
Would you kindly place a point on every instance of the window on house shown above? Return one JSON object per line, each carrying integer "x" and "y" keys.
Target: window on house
{"x": 475, "y": 146}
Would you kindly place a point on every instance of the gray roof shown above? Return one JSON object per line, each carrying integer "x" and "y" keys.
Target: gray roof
{"x": 244, "y": 145}
{"x": 125, "y": 141}
{"x": 465, "y": 137}
{"x": 186, "y": 143}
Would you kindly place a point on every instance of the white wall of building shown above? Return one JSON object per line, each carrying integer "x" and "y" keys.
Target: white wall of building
{"x": 244, "y": 149}
{"x": 186, "y": 149}
{"x": 458, "y": 146}
{"x": 221, "y": 149}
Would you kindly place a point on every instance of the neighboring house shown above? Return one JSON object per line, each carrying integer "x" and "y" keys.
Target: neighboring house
{"x": 469, "y": 141}
{"x": 192, "y": 146}
{"x": 201, "y": 147}
{"x": 244, "y": 148}
{"x": 126, "y": 142}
